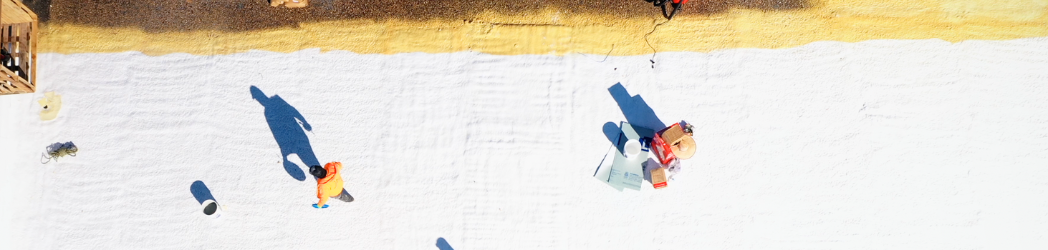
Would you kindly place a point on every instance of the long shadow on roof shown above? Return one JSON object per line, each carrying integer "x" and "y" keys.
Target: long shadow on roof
{"x": 289, "y": 130}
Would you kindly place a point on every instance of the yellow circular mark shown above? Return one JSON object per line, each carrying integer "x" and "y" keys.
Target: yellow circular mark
{"x": 551, "y": 32}
{"x": 51, "y": 104}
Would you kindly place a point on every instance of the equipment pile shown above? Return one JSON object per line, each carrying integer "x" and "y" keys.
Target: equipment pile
{"x": 628, "y": 160}
{"x": 670, "y": 145}
{"x": 59, "y": 150}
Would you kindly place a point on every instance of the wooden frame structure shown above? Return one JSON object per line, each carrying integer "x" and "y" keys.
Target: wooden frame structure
{"x": 18, "y": 36}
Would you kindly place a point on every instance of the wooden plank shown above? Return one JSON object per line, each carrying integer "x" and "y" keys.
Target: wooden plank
{"x": 23, "y": 51}
{"x": 24, "y": 88}
{"x": 7, "y": 75}
{"x": 27, "y": 60}
{"x": 12, "y": 12}
{"x": 28, "y": 12}
{"x": 13, "y": 47}
{"x": 20, "y": 87}
{"x": 18, "y": 31}
{"x": 32, "y": 51}
{"x": 7, "y": 42}
{"x": 7, "y": 37}
{"x": 14, "y": 88}
{"x": 16, "y": 44}
{"x": 15, "y": 40}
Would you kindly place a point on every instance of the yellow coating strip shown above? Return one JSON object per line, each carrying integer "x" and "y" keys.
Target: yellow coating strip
{"x": 550, "y": 32}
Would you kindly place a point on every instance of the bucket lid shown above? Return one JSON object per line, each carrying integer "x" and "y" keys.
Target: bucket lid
{"x": 210, "y": 207}
{"x": 631, "y": 148}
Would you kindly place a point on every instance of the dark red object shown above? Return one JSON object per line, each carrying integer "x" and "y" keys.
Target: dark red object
{"x": 661, "y": 148}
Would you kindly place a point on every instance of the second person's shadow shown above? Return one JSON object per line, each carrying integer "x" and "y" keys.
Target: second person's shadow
{"x": 287, "y": 125}
{"x": 636, "y": 110}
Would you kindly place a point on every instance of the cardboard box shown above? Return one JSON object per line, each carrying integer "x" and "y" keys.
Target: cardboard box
{"x": 658, "y": 177}
{"x": 662, "y": 150}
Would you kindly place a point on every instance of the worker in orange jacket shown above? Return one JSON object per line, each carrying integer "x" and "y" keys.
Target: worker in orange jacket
{"x": 329, "y": 183}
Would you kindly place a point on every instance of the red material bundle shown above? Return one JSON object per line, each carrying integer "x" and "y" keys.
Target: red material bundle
{"x": 662, "y": 149}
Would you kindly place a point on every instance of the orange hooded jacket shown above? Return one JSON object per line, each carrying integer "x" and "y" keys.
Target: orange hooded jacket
{"x": 331, "y": 185}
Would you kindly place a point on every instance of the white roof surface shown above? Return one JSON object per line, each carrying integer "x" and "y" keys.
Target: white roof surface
{"x": 883, "y": 144}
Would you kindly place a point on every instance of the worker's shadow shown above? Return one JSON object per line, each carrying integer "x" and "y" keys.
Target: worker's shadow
{"x": 287, "y": 125}
{"x": 639, "y": 115}
{"x": 636, "y": 110}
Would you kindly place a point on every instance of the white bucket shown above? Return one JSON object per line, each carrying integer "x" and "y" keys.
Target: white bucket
{"x": 631, "y": 148}
{"x": 212, "y": 209}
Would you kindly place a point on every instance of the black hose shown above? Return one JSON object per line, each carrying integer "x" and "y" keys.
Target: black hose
{"x": 676, "y": 7}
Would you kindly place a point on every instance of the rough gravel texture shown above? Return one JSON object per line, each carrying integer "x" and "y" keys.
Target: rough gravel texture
{"x": 242, "y": 15}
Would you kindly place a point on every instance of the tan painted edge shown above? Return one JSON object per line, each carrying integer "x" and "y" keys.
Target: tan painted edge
{"x": 550, "y": 32}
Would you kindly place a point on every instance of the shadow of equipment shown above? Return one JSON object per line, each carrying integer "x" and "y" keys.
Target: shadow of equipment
{"x": 200, "y": 192}
{"x": 443, "y": 244}
{"x": 612, "y": 131}
{"x": 245, "y": 15}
